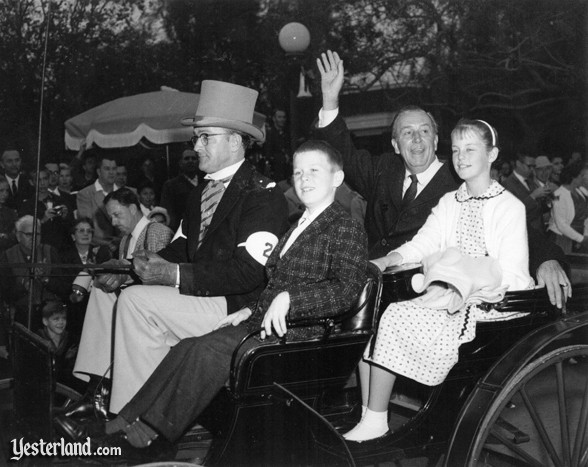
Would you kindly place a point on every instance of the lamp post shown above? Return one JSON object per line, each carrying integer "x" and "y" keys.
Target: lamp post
{"x": 294, "y": 39}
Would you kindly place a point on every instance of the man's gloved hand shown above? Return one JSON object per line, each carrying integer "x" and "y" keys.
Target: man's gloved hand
{"x": 153, "y": 269}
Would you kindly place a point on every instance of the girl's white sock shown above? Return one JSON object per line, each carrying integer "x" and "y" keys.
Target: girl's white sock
{"x": 372, "y": 425}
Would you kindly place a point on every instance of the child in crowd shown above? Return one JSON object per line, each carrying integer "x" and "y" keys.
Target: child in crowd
{"x": 54, "y": 317}
{"x": 146, "y": 194}
{"x": 479, "y": 227}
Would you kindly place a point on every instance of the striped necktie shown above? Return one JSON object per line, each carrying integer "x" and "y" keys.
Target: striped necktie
{"x": 211, "y": 196}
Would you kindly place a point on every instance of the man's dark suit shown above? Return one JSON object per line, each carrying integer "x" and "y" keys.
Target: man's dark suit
{"x": 379, "y": 179}
{"x": 25, "y": 191}
{"x": 532, "y": 206}
{"x": 174, "y": 195}
{"x": 220, "y": 267}
{"x": 323, "y": 271}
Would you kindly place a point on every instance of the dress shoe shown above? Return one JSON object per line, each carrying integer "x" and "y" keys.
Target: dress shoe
{"x": 91, "y": 405}
{"x": 160, "y": 449}
{"x": 74, "y": 430}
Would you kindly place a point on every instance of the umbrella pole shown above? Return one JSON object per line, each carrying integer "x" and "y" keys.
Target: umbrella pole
{"x": 32, "y": 272}
{"x": 167, "y": 159}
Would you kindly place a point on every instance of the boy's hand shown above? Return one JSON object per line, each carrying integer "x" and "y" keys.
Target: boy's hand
{"x": 234, "y": 318}
{"x": 275, "y": 316}
{"x": 331, "y": 69}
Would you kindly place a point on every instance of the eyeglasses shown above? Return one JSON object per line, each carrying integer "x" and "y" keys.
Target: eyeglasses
{"x": 203, "y": 137}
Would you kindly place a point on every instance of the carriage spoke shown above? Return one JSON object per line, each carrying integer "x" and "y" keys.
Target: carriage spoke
{"x": 563, "y": 413}
{"x": 540, "y": 427}
{"x": 530, "y": 460}
{"x": 581, "y": 433}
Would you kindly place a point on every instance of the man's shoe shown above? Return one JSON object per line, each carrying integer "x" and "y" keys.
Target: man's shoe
{"x": 91, "y": 405}
{"x": 74, "y": 430}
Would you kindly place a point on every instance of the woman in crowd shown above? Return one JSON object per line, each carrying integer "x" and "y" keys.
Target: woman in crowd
{"x": 480, "y": 226}
{"x": 570, "y": 209}
{"x": 81, "y": 252}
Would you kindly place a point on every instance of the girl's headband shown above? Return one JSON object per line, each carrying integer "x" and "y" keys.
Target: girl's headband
{"x": 491, "y": 131}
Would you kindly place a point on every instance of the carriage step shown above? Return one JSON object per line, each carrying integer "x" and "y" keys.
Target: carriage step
{"x": 519, "y": 437}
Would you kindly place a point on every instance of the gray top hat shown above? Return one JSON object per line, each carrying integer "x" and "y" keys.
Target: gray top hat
{"x": 226, "y": 105}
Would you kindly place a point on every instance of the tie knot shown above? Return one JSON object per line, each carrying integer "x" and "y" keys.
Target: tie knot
{"x": 413, "y": 178}
{"x": 222, "y": 180}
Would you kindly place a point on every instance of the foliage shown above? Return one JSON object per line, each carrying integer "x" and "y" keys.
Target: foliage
{"x": 520, "y": 64}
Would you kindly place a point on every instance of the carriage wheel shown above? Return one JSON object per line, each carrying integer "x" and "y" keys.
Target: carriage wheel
{"x": 540, "y": 418}
{"x": 65, "y": 396}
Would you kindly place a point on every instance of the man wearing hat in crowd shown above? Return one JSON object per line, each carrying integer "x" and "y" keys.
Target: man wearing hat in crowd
{"x": 215, "y": 264}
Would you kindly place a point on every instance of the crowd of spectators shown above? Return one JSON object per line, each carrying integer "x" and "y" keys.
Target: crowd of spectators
{"x": 554, "y": 190}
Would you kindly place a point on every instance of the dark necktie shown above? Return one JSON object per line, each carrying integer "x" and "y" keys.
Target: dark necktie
{"x": 211, "y": 196}
{"x": 411, "y": 192}
{"x": 531, "y": 184}
{"x": 14, "y": 188}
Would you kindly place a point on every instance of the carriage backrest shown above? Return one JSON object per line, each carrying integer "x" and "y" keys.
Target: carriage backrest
{"x": 314, "y": 364}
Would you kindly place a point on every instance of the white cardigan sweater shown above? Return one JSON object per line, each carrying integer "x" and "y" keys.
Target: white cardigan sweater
{"x": 505, "y": 235}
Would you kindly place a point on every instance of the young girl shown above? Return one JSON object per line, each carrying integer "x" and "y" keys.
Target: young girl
{"x": 479, "y": 220}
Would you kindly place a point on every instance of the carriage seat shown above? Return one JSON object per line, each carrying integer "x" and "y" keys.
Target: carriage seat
{"x": 310, "y": 366}
{"x": 493, "y": 338}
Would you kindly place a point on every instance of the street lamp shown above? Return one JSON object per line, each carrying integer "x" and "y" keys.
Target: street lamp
{"x": 294, "y": 39}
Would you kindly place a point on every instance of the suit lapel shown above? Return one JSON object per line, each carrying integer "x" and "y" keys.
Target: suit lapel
{"x": 395, "y": 186}
{"x": 320, "y": 223}
{"x": 436, "y": 187}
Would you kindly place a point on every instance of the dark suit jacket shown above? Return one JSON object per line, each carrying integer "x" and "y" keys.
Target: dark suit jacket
{"x": 532, "y": 207}
{"x": 25, "y": 191}
{"x": 379, "y": 179}
{"x": 220, "y": 267}
{"x": 323, "y": 271}
{"x": 174, "y": 195}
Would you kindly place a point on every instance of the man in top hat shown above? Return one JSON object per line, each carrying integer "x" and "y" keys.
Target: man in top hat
{"x": 215, "y": 264}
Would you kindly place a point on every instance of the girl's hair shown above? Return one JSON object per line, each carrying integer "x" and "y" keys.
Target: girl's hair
{"x": 486, "y": 131}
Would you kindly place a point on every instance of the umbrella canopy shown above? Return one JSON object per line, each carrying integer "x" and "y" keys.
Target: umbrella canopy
{"x": 123, "y": 122}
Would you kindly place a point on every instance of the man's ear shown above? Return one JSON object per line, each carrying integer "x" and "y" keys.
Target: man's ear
{"x": 133, "y": 208}
{"x": 395, "y": 146}
{"x": 339, "y": 177}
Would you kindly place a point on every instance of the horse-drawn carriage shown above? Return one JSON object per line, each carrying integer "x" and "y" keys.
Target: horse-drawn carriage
{"x": 518, "y": 396}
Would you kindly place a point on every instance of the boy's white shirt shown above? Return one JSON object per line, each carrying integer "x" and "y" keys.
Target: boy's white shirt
{"x": 304, "y": 221}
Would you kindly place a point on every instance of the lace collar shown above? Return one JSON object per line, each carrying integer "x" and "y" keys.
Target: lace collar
{"x": 495, "y": 189}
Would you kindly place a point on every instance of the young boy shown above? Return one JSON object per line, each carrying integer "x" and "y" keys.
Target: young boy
{"x": 317, "y": 269}
{"x": 54, "y": 316}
